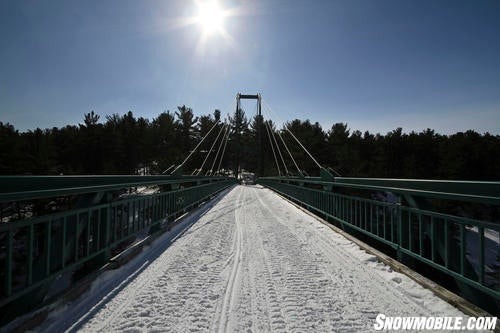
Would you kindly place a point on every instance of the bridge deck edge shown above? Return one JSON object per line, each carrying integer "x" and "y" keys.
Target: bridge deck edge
{"x": 438, "y": 290}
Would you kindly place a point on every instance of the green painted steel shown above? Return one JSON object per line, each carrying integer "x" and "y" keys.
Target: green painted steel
{"x": 36, "y": 250}
{"x": 15, "y": 188}
{"x": 471, "y": 191}
{"x": 397, "y": 225}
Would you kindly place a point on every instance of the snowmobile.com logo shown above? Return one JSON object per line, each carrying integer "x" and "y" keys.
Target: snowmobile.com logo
{"x": 383, "y": 322}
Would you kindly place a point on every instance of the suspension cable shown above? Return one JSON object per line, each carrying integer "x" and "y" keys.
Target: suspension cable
{"x": 300, "y": 144}
{"x": 195, "y": 148}
{"x": 289, "y": 153}
{"x": 218, "y": 150}
{"x": 210, "y": 151}
{"x": 285, "y": 125}
{"x": 272, "y": 147}
{"x": 168, "y": 169}
{"x": 224, "y": 149}
{"x": 279, "y": 150}
{"x": 227, "y": 108}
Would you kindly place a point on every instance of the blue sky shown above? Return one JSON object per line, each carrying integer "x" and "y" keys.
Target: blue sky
{"x": 374, "y": 64}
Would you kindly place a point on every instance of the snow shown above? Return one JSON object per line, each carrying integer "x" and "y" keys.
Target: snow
{"x": 248, "y": 262}
{"x": 491, "y": 253}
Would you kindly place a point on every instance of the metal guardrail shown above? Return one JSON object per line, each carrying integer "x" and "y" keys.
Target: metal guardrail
{"x": 34, "y": 251}
{"x": 436, "y": 239}
{"x": 13, "y": 188}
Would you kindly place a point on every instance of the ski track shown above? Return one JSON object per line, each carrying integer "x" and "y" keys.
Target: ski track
{"x": 256, "y": 263}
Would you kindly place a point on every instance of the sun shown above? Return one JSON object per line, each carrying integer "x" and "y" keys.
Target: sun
{"x": 210, "y": 17}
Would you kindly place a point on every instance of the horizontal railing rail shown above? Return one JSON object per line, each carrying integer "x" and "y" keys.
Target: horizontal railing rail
{"x": 36, "y": 250}
{"x": 15, "y": 188}
{"x": 471, "y": 191}
{"x": 448, "y": 243}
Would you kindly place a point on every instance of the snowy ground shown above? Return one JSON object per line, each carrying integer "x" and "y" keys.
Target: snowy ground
{"x": 251, "y": 262}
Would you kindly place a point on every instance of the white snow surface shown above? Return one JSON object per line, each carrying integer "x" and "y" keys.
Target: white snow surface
{"x": 248, "y": 262}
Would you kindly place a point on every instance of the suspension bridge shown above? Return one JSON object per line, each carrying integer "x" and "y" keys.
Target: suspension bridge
{"x": 196, "y": 251}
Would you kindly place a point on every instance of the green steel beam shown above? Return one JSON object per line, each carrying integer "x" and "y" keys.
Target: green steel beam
{"x": 16, "y": 188}
{"x": 61, "y": 251}
{"x": 471, "y": 191}
{"x": 454, "y": 187}
{"x": 451, "y": 259}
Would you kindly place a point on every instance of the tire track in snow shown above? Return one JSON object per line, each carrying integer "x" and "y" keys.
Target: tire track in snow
{"x": 180, "y": 289}
{"x": 230, "y": 290}
{"x": 347, "y": 276}
{"x": 256, "y": 263}
{"x": 297, "y": 277}
{"x": 274, "y": 311}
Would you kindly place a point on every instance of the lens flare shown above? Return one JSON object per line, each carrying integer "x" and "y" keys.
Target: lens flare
{"x": 210, "y": 17}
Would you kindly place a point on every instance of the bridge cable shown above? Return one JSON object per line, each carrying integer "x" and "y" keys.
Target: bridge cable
{"x": 272, "y": 147}
{"x": 195, "y": 148}
{"x": 218, "y": 150}
{"x": 227, "y": 137}
{"x": 300, "y": 144}
{"x": 273, "y": 134}
{"x": 168, "y": 169}
{"x": 211, "y": 148}
{"x": 289, "y": 153}
{"x": 279, "y": 150}
{"x": 223, "y": 132}
{"x": 210, "y": 151}
{"x": 224, "y": 149}
{"x": 285, "y": 125}
{"x": 201, "y": 169}
{"x": 284, "y": 144}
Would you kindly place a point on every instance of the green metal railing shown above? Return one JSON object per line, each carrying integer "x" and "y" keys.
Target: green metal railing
{"x": 437, "y": 239}
{"x": 14, "y": 188}
{"x": 34, "y": 251}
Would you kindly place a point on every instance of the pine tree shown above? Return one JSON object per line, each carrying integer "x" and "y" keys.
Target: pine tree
{"x": 239, "y": 132}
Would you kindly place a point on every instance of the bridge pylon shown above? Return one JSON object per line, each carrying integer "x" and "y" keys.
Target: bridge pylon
{"x": 260, "y": 119}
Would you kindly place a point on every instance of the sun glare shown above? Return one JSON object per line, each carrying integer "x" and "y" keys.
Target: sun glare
{"x": 210, "y": 17}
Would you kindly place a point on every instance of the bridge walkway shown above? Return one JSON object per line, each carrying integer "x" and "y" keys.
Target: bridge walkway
{"x": 248, "y": 262}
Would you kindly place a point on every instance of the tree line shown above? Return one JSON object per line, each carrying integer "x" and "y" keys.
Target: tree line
{"x": 126, "y": 144}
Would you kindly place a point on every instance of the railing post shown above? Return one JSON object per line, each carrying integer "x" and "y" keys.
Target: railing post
{"x": 8, "y": 270}
{"x": 31, "y": 239}
{"x": 63, "y": 255}
{"x": 48, "y": 246}
{"x": 108, "y": 231}
{"x": 57, "y": 235}
{"x": 76, "y": 236}
{"x": 481, "y": 254}
{"x": 437, "y": 247}
{"x": 399, "y": 215}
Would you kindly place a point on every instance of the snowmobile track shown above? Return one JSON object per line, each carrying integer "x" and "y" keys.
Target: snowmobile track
{"x": 252, "y": 262}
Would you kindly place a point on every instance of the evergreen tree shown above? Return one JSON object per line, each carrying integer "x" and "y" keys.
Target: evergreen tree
{"x": 39, "y": 152}
{"x": 239, "y": 133}
{"x": 166, "y": 141}
{"x": 188, "y": 132}
{"x": 257, "y": 147}
{"x": 11, "y": 157}
{"x": 312, "y": 137}
{"x": 338, "y": 142}
{"x": 91, "y": 144}
{"x": 124, "y": 144}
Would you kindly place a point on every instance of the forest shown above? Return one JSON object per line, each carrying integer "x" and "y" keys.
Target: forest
{"x": 126, "y": 144}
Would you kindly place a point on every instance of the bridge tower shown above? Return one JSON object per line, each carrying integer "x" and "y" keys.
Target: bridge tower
{"x": 260, "y": 120}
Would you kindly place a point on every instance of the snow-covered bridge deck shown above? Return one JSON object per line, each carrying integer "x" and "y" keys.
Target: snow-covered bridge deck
{"x": 249, "y": 262}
